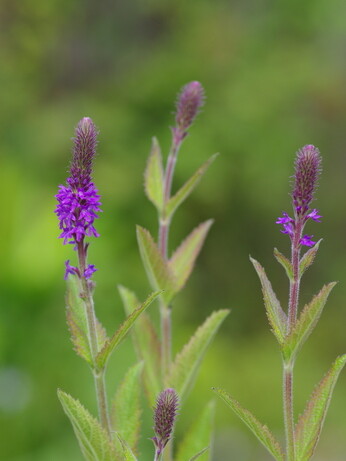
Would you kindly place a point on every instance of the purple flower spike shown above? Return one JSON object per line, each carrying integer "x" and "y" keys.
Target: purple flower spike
{"x": 189, "y": 102}
{"x": 164, "y": 416}
{"x": 306, "y": 240}
{"x": 307, "y": 170}
{"x": 78, "y": 201}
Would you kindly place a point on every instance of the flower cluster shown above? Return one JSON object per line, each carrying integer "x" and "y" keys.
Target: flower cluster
{"x": 164, "y": 417}
{"x": 307, "y": 170}
{"x": 78, "y": 200}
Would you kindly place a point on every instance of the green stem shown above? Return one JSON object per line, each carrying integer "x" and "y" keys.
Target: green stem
{"x": 99, "y": 380}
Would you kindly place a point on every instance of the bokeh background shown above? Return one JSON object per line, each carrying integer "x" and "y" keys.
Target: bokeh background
{"x": 274, "y": 74}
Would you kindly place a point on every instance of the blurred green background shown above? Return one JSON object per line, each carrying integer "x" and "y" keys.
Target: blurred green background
{"x": 274, "y": 74}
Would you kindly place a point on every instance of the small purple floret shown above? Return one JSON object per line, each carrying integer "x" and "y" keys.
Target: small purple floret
{"x": 307, "y": 241}
{"x": 89, "y": 271}
{"x": 70, "y": 269}
{"x": 314, "y": 215}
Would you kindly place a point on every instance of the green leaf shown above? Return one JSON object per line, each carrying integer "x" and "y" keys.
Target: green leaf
{"x": 122, "y": 331}
{"x": 198, "y": 437}
{"x": 184, "y": 369}
{"x": 158, "y": 271}
{"x": 183, "y": 259}
{"x": 285, "y": 263}
{"x": 126, "y": 410}
{"x": 146, "y": 344}
{"x": 200, "y": 453}
{"x": 77, "y": 320}
{"x": 308, "y": 258}
{"x": 276, "y": 316}
{"x": 261, "y": 431}
{"x": 187, "y": 188}
{"x": 154, "y": 176}
{"x": 310, "y": 423}
{"x": 306, "y": 322}
{"x": 127, "y": 453}
{"x": 93, "y": 439}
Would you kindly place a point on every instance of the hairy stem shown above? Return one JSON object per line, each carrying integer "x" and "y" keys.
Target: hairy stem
{"x": 100, "y": 385}
{"x": 291, "y": 321}
{"x": 295, "y": 283}
{"x": 288, "y": 410}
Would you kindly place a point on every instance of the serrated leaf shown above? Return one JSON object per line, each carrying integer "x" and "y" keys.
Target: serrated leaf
{"x": 310, "y": 423}
{"x": 185, "y": 366}
{"x": 198, "y": 438}
{"x": 154, "y": 176}
{"x": 127, "y": 453}
{"x": 276, "y": 316}
{"x": 306, "y": 322}
{"x": 77, "y": 320}
{"x": 158, "y": 271}
{"x": 285, "y": 263}
{"x": 187, "y": 188}
{"x": 126, "y": 409}
{"x": 93, "y": 439}
{"x": 308, "y": 258}
{"x": 261, "y": 431}
{"x": 146, "y": 344}
{"x": 183, "y": 259}
{"x": 122, "y": 331}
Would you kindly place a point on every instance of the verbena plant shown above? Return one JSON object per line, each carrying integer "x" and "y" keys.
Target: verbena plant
{"x": 292, "y": 328}
{"x": 114, "y": 436}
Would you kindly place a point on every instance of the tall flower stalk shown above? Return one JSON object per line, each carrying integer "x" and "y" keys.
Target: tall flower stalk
{"x": 169, "y": 272}
{"x": 188, "y": 105}
{"x": 115, "y": 435}
{"x": 78, "y": 205}
{"x": 292, "y": 327}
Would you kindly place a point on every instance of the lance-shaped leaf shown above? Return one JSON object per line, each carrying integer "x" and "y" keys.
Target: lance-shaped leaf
{"x": 77, "y": 320}
{"x": 122, "y": 331}
{"x": 276, "y": 316}
{"x": 184, "y": 369}
{"x": 158, "y": 271}
{"x": 146, "y": 344}
{"x": 126, "y": 409}
{"x": 261, "y": 431}
{"x": 308, "y": 258}
{"x": 93, "y": 439}
{"x": 309, "y": 426}
{"x": 127, "y": 453}
{"x": 154, "y": 176}
{"x": 199, "y": 454}
{"x": 183, "y": 259}
{"x": 306, "y": 322}
{"x": 187, "y": 188}
{"x": 285, "y": 263}
{"x": 198, "y": 437}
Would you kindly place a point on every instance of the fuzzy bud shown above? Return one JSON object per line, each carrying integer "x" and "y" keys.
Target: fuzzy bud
{"x": 85, "y": 142}
{"x": 307, "y": 170}
{"x": 190, "y": 100}
{"x": 164, "y": 416}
